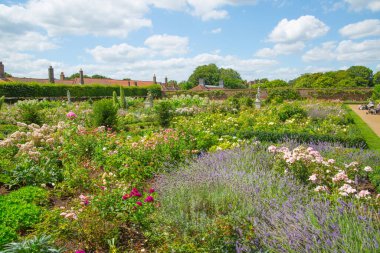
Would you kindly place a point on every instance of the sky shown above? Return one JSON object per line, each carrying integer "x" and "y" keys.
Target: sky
{"x": 139, "y": 38}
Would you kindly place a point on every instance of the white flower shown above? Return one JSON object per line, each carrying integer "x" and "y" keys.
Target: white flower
{"x": 313, "y": 178}
{"x": 272, "y": 149}
{"x": 368, "y": 169}
{"x": 363, "y": 194}
{"x": 321, "y": 188}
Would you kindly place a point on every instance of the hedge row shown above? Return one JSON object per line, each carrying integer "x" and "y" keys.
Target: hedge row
{"x": 19, "y": 89}
{"x": 357, "y": 142}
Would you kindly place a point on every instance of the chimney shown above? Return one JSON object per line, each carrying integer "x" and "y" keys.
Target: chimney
{"x": 51, "y": 74}
{"x": 166, "y": 80}
{"x": 2, "y": 72}
{"x": 154, "y": 79}
{"x": 202, "y": 82}
{"x": 81, "y": 76}
{"x": 62, "y": 76}
{"x": 221, "y": 84}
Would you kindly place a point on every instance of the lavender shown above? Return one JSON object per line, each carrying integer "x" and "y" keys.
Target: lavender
{"x": 242, "y": 187}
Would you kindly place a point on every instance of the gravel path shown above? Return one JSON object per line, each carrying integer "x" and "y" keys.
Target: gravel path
{"x": 373, "y": 121}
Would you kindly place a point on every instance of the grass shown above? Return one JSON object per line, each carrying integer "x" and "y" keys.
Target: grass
{"x": 372, "y": 139}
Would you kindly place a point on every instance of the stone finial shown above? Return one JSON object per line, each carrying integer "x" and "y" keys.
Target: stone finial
{"x": 81, "y": 76}
{"x": 221, "y": 84}
{"x": 202, "y": 82}
{"x": 51, "y": 74}
{"x": 2, "y": 71}
{"x": 62, "y": 76}
{"x": 154, "y": 79}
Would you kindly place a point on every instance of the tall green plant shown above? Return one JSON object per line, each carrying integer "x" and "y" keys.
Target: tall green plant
{"x": 123, "y": 102}
{"x": 2, "y": 99}
{"x": 115, "y": 100}
{"x": 164, "y": 113}
{"x": 104, "y": 113}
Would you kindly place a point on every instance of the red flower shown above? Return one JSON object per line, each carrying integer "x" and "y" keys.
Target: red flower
{"x": 135, "y": 193}
{"x": 126, "y": 196}
{"x": 139, "y": 203}
{"x": 149, "y": 199}
{"x": 151, "y": 190}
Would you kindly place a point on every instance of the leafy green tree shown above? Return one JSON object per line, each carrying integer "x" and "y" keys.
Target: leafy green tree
{"x": 231, "y": 78}
{"x": 7, "y": 74}
{"x": 96, "y": 76}
{"x": 324, "y": 81}
{"x": 275, "y": 83}
{"x": 362, "y": 75}
{"x": 210, "y": 73}
{"x": 185, "y": 85}
{"x": 376, "y": 78}
{"x": 77, "y": 75}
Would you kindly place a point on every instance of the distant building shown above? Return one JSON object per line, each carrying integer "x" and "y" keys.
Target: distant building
{"x": 203, "y": 87}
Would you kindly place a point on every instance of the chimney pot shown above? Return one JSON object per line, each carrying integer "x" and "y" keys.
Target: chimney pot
{"x": 51, "y": 74}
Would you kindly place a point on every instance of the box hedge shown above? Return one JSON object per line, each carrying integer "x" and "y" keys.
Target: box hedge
{"x": 20, "y": 89}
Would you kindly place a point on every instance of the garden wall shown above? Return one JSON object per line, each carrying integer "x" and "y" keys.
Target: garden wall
{"x": 353, "y": 94}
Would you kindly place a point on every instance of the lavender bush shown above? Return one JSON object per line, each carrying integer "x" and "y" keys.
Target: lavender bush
{"x": 233, "y": 201}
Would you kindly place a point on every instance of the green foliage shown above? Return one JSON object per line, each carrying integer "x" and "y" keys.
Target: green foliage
{"x": 376, "y": 78}
{"x": 104, "y": 113}
{"x": 2, "y": 99}
{"x": 40, "y": 244}
{"x": 272, "y": 84}
{"x": 96, "y": 76}
{"x": 76, "y": 75}
{"x": 184, "y": 85}
{"x": 29, "y": 194}
{"x": 30, "y": 111}
{"x": 29, "y": 172}
{"x": 231, "y": 78}
{"x": 115, "y": 100}
{"x": 164, "y": 113}
{"x": 212, "y": 74}
{"x": 376, "y": 92}
{"x": 288, "y": 111}
{"x": 19, "y": 89}
{"x": 355, "y": 76}
{"x": 123, "y": 102}
{"x": 281, "y": 94}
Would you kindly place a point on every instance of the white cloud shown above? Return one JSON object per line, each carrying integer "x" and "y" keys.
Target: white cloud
{"x": 281, "y": 49}
{"x": 304, "y": 28}
{"x": 168, "y": 45}
{"x": 156, "y": 45}
{"x": 216, "y": 30}
{"x": 347, "y": 50}
{"x": 324, "y": 52}
{"x": 365, "y": 28}
{"x": 358, "y": 5}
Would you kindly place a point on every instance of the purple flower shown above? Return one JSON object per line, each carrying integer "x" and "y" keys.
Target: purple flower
{"x": 139, "y": 203}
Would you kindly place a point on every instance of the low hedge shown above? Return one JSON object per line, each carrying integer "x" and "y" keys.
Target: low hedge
{"x": 20, "y": 89}
{"x": 269, "y": 136}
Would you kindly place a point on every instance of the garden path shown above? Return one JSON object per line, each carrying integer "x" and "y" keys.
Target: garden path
{"x": 373, "y": 121}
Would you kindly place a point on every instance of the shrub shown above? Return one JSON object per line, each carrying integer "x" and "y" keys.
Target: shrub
{"x": 288, "y": 111}
{"x": 283, "y": 94}
{"x": 30, "y": 111}
{"x": 115, "y": 100}
{"x": 164, "y": 112}
{"x": 104, "y": 113}
{"x": 40, "y": 244}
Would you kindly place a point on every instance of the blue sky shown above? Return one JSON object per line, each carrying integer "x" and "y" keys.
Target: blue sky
{"x": 136, "y": 39}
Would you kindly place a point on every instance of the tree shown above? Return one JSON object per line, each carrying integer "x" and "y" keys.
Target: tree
{"x": 324, "y": 81}
{"x": 77, "y": 75}
{"x": 185, "y": 85}
{"x": 7, "y": 74}
{"x": 96, "y": 76}
{"x": 362, "y": 75}
{"x": 210, "y": 74}
{"x": 231, "y": 78}
{"x": 123, "y": 101}
{"x": 275, "y": 83}
{"x": 376, "y": 78}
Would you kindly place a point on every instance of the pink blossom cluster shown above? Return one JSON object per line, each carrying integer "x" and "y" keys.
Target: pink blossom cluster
{"x": 135, "y": 193}
{"x": 325, "y": 174}
{"x": 71, "y": 115}
{"x": 163, "y": 137}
